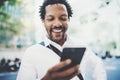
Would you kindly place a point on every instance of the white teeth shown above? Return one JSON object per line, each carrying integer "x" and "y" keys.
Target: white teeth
{"x": 54, "y": 30}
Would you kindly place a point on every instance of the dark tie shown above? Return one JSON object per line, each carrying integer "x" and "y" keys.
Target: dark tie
{"x": 58, "y": 52}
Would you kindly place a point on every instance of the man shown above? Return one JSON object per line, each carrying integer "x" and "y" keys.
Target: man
{"x": 42, "y": 63}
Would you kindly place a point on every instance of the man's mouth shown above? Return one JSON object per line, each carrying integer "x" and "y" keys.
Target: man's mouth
{"x": 57, "y": 30}
{"x": 57, "y": 33}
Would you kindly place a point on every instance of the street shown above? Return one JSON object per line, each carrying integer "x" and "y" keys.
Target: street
{"x": 113, "y": 69}
{"x": 8, "y": 76}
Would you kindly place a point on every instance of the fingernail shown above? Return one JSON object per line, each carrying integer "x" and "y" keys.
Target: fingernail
{"x": 68, "y": 61}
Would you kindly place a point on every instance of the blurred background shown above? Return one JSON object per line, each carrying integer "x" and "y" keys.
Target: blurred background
{"x": 96, "y": 22}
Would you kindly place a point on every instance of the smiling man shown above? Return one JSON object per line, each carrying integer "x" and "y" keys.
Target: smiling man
{"x": 41, "y": 61}
{"x": 56, "y": 22}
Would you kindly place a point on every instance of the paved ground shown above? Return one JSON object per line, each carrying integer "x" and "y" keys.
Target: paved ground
{"x": 111, "y": 65}
{"x": 11, "y": 53}
{"x": 8, "y": 76}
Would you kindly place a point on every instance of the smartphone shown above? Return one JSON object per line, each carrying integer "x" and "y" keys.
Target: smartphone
{"x": 73, "y": 53}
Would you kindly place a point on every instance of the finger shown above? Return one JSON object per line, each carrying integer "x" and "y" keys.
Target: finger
{"x": 71, "y": 76}
{"x": 60, "y": 65}
{"x": 66, "y": 72}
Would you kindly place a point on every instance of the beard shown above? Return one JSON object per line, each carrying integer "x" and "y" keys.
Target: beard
{"x": 57, "y": 34}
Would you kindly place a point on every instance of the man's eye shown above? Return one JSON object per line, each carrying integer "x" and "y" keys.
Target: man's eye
{"x": 50, "y": 19}
{"x": 63, "y": 19}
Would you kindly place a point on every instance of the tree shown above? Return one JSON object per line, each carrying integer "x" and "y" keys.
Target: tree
{"x": 10, "y": 22}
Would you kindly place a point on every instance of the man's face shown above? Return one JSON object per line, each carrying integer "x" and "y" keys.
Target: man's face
{"x": 56, "y": 22}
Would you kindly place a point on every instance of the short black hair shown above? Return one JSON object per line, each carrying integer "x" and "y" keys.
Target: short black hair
{"x": 50, "y": 2}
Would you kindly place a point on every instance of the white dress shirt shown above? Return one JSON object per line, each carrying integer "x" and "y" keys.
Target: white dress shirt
{"x": 38, "y": 59}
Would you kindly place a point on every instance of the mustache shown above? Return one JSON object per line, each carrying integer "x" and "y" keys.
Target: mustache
{"x": 58, "y": 27}
{"x": 63, "y": 28}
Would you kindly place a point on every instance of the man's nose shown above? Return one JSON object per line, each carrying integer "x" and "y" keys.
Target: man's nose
{"x": 57, "y": 23}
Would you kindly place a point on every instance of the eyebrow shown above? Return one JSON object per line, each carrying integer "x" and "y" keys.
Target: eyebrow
{"x": 49, "y": 16}
{"x": 64, "y": 15}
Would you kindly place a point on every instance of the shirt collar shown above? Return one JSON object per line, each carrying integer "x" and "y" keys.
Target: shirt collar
{"x": 48, "y": 41}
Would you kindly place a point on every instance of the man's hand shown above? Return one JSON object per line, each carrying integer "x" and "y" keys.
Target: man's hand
{"x": 54, "y": 73}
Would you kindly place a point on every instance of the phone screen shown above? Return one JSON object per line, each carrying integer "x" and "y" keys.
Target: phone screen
{"x": 75, "y": 54}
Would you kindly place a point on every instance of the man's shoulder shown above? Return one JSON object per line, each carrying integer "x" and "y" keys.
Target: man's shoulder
{"x": 38, "y": 53}
{"x": 38, "y": 50}
{"x": 35, "y": 47}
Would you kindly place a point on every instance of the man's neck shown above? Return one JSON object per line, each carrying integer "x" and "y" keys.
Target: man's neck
{"x": 62, "y": 41}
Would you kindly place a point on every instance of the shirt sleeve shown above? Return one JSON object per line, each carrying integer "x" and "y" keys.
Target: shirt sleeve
{"x": 96, "y": 66}
{"x": 27, "y": 69}
{"x": 99, "y": 71}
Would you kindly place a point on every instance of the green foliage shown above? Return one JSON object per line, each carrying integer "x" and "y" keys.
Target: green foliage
{"x": 8, "y": 27}
{"x": 10, "y": 24}
{"x": 10, "y": 2}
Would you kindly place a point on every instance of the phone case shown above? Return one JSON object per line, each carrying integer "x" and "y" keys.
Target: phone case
{"x": 75, "y": 54}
